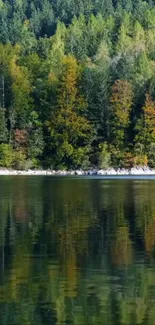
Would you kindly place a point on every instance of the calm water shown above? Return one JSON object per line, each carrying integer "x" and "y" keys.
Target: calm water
{"x": 77, "y": 251}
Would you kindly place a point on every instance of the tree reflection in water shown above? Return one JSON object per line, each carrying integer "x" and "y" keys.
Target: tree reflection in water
{"x": 77, "y": 251}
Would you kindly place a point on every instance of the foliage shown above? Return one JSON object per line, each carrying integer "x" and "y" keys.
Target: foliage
{"x": 104, "y": 156}
{"x": 74, "y": 76}
{"x": 70, "y": 131}
{"x": 3, "y": 127}
{"x": 6, "y": 155}
{"x": 117, "y": 157}
{"x": 140, "y": 160}
{"x": 149, "y": 120}
{"x": 121, "y": 102}
{"x": 19, "y": 159}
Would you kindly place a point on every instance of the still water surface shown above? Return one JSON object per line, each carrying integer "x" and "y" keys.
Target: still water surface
{"x": 77, "y": 251}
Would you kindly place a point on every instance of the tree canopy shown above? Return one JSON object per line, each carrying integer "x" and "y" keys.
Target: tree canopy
{"x": 77, "y": 83}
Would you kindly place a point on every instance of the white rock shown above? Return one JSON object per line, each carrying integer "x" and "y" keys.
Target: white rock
{"x": 111, "y": 171}
{"x": 79, "y": 172}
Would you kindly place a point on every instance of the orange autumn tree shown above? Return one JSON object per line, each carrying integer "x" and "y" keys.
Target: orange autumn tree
{"x": 121, "y": 104}
{"x": 70, "y": 131}
{"x": 146, "y": 124}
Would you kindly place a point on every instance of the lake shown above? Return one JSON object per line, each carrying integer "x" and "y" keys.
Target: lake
{"x": 77, "y": 251}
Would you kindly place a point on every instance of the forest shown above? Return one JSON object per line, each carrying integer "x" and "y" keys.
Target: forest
{"x": 77, "y": 83}
{"x": 50, "y": 253}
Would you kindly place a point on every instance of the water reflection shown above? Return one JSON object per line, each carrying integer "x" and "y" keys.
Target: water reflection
{"x": 77, "y": 251}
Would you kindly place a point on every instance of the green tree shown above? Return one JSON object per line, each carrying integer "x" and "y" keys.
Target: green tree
{"x": 21, "y": 90}
{"x": 121, "y": 104}
{"x": 3, "y": 126}
{"x": 6, "y": 155}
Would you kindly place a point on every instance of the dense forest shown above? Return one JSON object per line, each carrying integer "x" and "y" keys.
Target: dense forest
{"x": 77, "y": 83}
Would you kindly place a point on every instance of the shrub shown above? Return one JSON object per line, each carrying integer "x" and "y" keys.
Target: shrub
{"x": 128, "y": 160}
{"x": 80, "y": 158}
{"x": 151, "y": 155}
{"x": 140, "y": 157}
{"x": 19, "y": 159}
{"x": 117, "y": 157}
{"x": 6, "y": 155}
{"x": 140, "y": 160}
{"x": 32, "y": 163}
{"x": 104, "y": 156}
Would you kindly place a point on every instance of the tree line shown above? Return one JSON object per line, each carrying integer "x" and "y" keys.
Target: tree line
{"x": 77, "y": 84}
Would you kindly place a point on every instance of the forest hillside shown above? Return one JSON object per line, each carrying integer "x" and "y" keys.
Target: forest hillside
{"x": 77, "y": 83}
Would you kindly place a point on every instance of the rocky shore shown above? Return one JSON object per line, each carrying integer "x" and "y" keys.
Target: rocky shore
{"x": 96, "y": 172}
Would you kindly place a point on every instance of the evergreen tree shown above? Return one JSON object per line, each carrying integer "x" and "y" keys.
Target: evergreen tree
{"x": 3, "y": 127}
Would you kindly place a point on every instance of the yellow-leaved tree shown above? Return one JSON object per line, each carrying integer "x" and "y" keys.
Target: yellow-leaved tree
{"x": 70, "y": 131}
{"x": 145, "y": 130}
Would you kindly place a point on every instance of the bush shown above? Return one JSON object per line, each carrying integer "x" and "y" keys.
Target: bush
{"x": 140, "y": 160}
{"x": 36, "y": 143}
{"x": 19, "y": 159}
{"x": 80, "y": 158}
{"x": 140, "y": 157}
{"x": 128, "y": 160}
{"x": 151, "y": 155}
{"x": 117, "y": 157}
{"x": 32, "y": 163}
{"x": 6, "y": 155}
{"x": 104, "y": 156}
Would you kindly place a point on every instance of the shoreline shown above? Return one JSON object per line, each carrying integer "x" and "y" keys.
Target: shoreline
{"x": 141, "y": 171}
